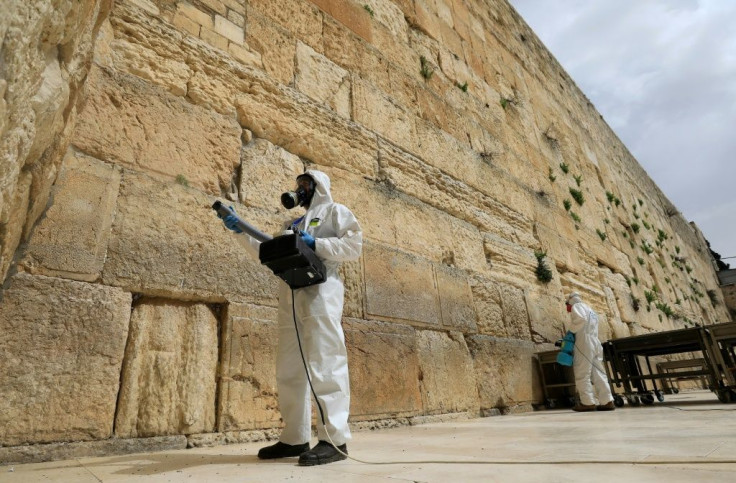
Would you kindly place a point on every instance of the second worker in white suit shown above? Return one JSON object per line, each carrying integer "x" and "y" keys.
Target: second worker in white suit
{"x": 591, "y": 381}
{"x": 334, "y": 234}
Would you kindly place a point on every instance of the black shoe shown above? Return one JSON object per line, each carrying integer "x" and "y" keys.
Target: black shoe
{"x": 322, "y": 454}
{"x": 282, "y": 450}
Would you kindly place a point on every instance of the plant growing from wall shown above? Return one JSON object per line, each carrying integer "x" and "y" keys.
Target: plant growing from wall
{"x": 635, "y": 303}
{"x": 544, "y": 274}
{"x": 369, "y": 10}
{"x": 578, "y": 179}
{"x": 601, "y": 234}
{"x": 564, "y": 167}
{"x": 462, "y": 87}
{"x": 567, "y": 204}
{"x": 641, "y": 203}
{"x": 666, "y": 309}
{"x": 646, "y": 225}
{"x": 552, "y": 177}
{"x": 712, "y": 296}
{"x": 635, "y": 227}
{"x": 640, "y": 260}
{"x": 575, "y": 217}
{"x": 425, "y": 68}
{"x": 182, "y": 180}
{"x": 646, "y": 247}
{"x": 635, "y": 280}
{"x": 577, "y": 195}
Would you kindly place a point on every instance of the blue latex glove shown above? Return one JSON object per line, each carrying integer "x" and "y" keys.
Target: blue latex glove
{"x": 231, "y": 222}
{"x": 308, "y": 239}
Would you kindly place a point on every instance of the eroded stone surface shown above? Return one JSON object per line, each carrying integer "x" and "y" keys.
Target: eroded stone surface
{"x": 168, "y": 378}
{"x": 61, "y": 354}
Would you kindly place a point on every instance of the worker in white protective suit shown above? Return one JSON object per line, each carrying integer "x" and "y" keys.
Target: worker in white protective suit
{"x": 334, "y": 234}
{"x": 591, "y": 381}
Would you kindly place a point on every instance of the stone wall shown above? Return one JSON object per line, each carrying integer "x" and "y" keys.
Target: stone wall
{"x": 446, "y": 126}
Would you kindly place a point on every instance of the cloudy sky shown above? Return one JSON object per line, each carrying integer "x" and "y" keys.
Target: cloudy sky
{"x": 663, "y": 75}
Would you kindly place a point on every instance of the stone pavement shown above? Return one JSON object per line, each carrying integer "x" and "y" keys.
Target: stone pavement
{"x": 690, "y": 437}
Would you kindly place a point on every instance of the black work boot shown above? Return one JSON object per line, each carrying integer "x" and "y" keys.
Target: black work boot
{"x": 322, "y": 454}
{"x": 282, "y": 450}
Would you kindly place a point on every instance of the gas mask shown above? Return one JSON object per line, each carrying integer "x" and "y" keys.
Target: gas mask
{"x": 303, "y": 194}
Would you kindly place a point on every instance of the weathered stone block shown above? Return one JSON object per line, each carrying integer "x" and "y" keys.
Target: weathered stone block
{"x": 378, "y": 113}
{"x": 352, "y": 53}
{"x": 129, "y": 122}
{"x": 487, "y": 303}
{"x": 248, "y": 397}
{"x": 266, "y": 171}
{"x": 229, "y": 30}
{"x": 447, "y": 381}
{"x": 547, "y": 316}
{"x": 350, "y": 14}
{"x": 505, "y": 371}
{"x": 301, "y": 126}
{"x": 515, "y": 313}
{"x": 61, "y": 352}
{"x": 400, "y": 286}
{"x": 276, "y": 46}
{"x": 300, "y": 17}
{"x": 456, "y": 299}
{"x": 375, "y": 391}
{"x": 322, "y": 80}
{"x": 167, "y": 241}
{"x": 71, "y": 239}
{"x": 169, "y": 375}
{"x": 146, "y": 48}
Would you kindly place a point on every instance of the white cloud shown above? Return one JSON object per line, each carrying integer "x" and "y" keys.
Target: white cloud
{"x": 663, "y": 75}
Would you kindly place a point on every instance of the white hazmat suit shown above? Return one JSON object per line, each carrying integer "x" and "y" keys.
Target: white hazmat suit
{"x": 318, "y": 308}
{"x": 591, "y": 381}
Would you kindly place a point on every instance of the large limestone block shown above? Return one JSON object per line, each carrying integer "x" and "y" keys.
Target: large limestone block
{"x": 377, "y": 112}
{"x": 622, "y": 294}
{"x": 384, "y": 370}
{"x": 487, "y": 303}
{"x": 432, "y": 186}
{"x": 45, "y": 47}
{"x": 547, "y": 316}
{"x": 505, "y": 371}
{"x": 447, "y": 377}
{"x": 444, "y": 152}
{"x": 169, "y": 375}
{"x": 389, "y": 216}
{"x": 71, "y": 239}
{"x": 351, "y": 14}
{"x": 266, "y": 171}
{"x": 303, "y": 127}
{"x": 300, "y": 17}
{"x": 61, "y": 352}
{"x": 400, "y": 286}
{"x": 456, "y": 299}
{"x": 322, "y": 80}
{"x": 167, "y": 241}
{"x": 353, "y": 280}
{"x": 130, "y": 122}
{"x": 352, "y": 53}
{"x": 510, "y": 262}
{"x": 144, "y": 46}
{"x": 247, "y": 391}
{"x": 276, "y": 46}
{"x": 562, "y": 252}
{"x": 515, "y": 312}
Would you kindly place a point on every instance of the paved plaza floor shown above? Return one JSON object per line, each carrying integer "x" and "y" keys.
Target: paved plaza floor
{"x": 690, "y": 437}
